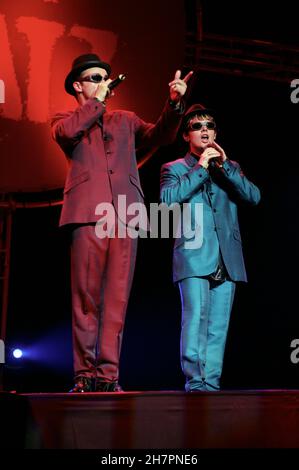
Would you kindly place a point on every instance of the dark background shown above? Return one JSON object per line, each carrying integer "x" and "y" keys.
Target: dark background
{"x": 258, "y": 127}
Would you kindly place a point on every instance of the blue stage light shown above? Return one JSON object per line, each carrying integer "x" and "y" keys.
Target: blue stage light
{"x": 17, "y": 353}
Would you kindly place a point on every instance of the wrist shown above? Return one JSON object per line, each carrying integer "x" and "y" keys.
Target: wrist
{"x": 175, "y": 104}
{"x": 204, "y": 165}
{"x": 99, "y": 100}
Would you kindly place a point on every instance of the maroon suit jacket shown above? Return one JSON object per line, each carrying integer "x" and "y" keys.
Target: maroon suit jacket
{"x": 102, "y": 157}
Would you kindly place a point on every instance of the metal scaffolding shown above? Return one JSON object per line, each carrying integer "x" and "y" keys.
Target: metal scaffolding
{"x": 254, "y": 58}
{"x": 8, "y": 205}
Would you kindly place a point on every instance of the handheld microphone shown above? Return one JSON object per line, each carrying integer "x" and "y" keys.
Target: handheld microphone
{"x": 116, "y": 81}
{"x": 214, "y": 163}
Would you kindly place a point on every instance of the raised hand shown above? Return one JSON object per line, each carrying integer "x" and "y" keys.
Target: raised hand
{"x": 222, "y": 156}
{"x": 102, "y": 91}
{"x": 208, "y": 154}
{"x": 178, "y": 86}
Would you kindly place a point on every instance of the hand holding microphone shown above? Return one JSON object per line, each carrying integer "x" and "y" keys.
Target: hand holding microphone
{"x": 105, "y": 88}
{"x": 208, "y": 155}
{"x": 222, "y": 153}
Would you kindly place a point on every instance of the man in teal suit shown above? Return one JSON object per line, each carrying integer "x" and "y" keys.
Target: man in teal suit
{"x": 208, "y": 271}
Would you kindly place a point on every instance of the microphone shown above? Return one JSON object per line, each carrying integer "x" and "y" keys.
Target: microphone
{"x": 214, "y": 163}
{"x": 116, "y": 81}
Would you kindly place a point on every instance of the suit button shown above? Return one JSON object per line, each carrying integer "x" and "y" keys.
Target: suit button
{"x": 215, "y": 210}
{"x": 111, "y": 172}
{"x": 108, "y": 152}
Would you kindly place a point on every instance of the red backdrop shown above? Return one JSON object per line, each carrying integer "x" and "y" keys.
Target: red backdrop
{"x": 38, "y": 41}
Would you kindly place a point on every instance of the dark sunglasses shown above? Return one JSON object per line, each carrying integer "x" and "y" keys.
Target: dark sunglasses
{"x": 196, "y": 126}
{"x": 94, "y": 78}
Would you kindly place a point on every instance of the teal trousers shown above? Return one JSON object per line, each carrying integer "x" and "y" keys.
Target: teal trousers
{"x": 206, "y": 309}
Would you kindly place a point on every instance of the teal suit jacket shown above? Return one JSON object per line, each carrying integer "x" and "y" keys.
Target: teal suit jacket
{"x": 219, "y": 191}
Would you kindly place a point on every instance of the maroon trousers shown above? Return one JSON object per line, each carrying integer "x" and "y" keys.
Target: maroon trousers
{"x": 102, "y": 273}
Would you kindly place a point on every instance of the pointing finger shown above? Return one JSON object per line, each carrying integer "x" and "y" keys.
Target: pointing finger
{"x": 177, "y": 75}
{"x": 188, "y": 76}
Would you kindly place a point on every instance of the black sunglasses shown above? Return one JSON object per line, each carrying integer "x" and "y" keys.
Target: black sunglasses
{"x": 196, "y": 126}
{"x": 94, "y": 78}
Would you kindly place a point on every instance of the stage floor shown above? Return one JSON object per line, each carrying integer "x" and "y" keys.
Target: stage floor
{"x": 152, "y": 420}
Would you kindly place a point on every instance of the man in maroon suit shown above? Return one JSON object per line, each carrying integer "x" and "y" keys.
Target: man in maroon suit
{"x": 101, "y": 149}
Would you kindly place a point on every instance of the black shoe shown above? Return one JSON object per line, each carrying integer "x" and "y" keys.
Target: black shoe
{"x": 201, "y": 388}
{"x": 102, "y": 386}
{"x": 83, "y": 384}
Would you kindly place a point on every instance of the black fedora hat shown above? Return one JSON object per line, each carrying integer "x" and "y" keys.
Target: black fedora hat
{"x": 83, "y": 62}
{"x": 196, "y": 109}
